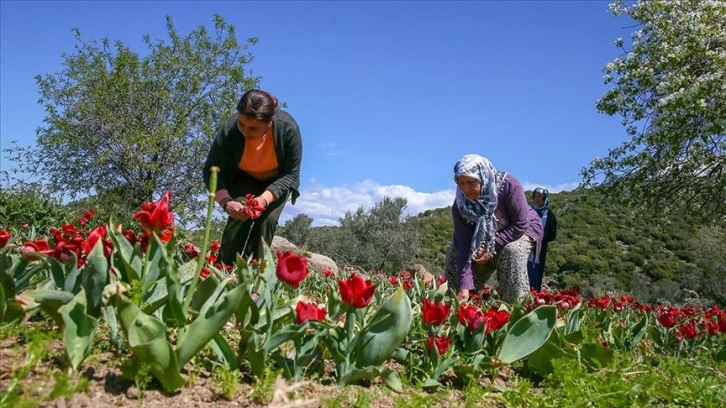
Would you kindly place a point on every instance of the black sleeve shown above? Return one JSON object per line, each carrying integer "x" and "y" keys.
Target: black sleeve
{"x": 551, "y": 228}
{"x": 219, "y": 155}
{"x": 289, "y": 177}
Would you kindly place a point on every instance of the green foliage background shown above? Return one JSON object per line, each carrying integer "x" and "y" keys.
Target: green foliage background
{"x": 602, "y": 247}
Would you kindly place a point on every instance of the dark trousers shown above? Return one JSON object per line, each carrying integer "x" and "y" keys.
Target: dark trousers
{"x": 246, "y": 237}
{"x": 536, "y": 270}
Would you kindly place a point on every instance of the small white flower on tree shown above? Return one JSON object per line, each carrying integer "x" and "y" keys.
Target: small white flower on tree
{"x": 670, "y": 89}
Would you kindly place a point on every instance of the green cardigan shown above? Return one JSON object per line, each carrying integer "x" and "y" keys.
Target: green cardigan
{"x": 229, "y": 144}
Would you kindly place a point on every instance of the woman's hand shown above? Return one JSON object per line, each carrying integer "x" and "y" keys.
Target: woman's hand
{"x": 262, "y": 201}
{"x": 463, "y": 294}
{"x": 235, "y": 209}
{"x": 481, "y": 257}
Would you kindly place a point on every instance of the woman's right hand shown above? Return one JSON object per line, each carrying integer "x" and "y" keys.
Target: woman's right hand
{"x": 463, "y": 295}
{"x": 235, "y": 209}
{"x": 482, "y": 257}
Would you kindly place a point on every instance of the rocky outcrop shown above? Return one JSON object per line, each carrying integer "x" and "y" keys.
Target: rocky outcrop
{"x": 316, "y": 262}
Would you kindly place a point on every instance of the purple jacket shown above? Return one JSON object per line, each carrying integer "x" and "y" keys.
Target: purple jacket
{"x": 519, "y": 218}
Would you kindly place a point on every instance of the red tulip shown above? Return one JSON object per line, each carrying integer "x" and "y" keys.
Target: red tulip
{"x": 688, "y": 330}
{"x": 291, "y": 268}
{"x": 129, "y": 235}
{"x": 712, "y": 328}
{"x": 495, "y": 319}
{"x": 407, "y": 284}
{"x": 252, "y": 208}
{"x": 309, "y": 311}
{"x": 39, "y": 245}
{"x": 667, "y": 319}
{"x": 442, "y": 344}
{"x": 356, "y": 291}
{"x": 470, "y": 316}
{"x": 4, "y": 237}
{"x": 435, "y": 313}
{"x": 601, "y": 303}
{"x": 191, "y": 251}
{"x": 98, "y": 234}
{"x": 155, "y": 217}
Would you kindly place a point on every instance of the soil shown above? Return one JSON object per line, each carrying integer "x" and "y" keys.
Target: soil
{"x": 106, "y": 386}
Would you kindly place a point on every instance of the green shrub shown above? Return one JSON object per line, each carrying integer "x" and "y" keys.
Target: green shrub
{"x": 27, "y": 207}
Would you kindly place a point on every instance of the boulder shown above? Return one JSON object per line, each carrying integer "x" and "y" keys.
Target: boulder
{"x": 283, "y": 245}
{"x": 317, "y": 262}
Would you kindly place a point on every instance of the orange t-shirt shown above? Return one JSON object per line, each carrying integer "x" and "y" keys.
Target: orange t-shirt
{"x": 259, "y": 159}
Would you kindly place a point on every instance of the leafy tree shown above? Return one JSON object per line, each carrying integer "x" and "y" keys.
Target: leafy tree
{"x": 435, "y": 233}
{"x": 708, "y": 245}
{"x": 328, "y": 240}
{"x": 297, "y": 229}
{"x": 669, "y": 89}
{"x": 379, "y": 238}
{"x": 135, "y": 123}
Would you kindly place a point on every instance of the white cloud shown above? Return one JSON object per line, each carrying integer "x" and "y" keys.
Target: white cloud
{"x": 326, "y": 205}
{"x": 330, "y": 149}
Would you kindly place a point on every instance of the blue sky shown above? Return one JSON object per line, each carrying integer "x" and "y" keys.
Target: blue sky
{"x": 388, "y": 95}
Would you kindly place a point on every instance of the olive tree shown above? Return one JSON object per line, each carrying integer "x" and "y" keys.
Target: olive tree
{"x": 669, "y": 86}
{"x": 378, "y": 238}
{"x": 138, "y": 124}
{"x": 297, "y": 229}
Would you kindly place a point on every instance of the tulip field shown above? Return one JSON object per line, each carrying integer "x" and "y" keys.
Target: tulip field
{"x": 170, "y": 315}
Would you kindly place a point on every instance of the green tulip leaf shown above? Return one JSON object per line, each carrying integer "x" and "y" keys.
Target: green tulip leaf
{"x": 528, "y": 334}
{"x": 639, "y": 330}
{"x": 287, "y": 333}
{"x": 125, "y": 258}
{"x": 73, "y": 277}
{"x": 50, "y": 300}
{"x": 224, "y": 351}
{"x": 445, "y": 365}
{"x": 720, "y": 355}
{"x": 387, "y": 329}
{"x": 94, "y": 278}
{"x": 596, "y": 355}
{"x": 79, "y": 330}
{"x": 146, "y": 336}
{"x": 541, "y": 359}
{"x": 354, "y": 375}
{"x": 158, "y": 297}
{"x": 3, "y": 304}
{"x": 109, "y": 315}
{"x": 210, "y": 321}
{"x": 573, "y": 321}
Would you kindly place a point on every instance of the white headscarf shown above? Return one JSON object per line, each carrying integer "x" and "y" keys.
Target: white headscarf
{"x": 479, "y": 212}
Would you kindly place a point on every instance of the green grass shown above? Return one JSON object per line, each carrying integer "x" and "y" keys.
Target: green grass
{"x": 662, "y": 382}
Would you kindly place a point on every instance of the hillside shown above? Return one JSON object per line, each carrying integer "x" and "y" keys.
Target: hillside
{"x": 605, "y": 248}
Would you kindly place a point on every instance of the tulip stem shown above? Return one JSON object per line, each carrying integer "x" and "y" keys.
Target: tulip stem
{"x": 244, "y": 247}
{"x": 350, "y": 328}
{"x": 205, "y": 243}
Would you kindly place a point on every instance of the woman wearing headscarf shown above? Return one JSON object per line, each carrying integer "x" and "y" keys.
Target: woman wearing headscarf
{"x": 536, "y": 266}
{"x": 494, "y": 229}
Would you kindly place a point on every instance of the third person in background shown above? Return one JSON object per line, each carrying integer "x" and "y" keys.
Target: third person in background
{"x": 536, "y": 265}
